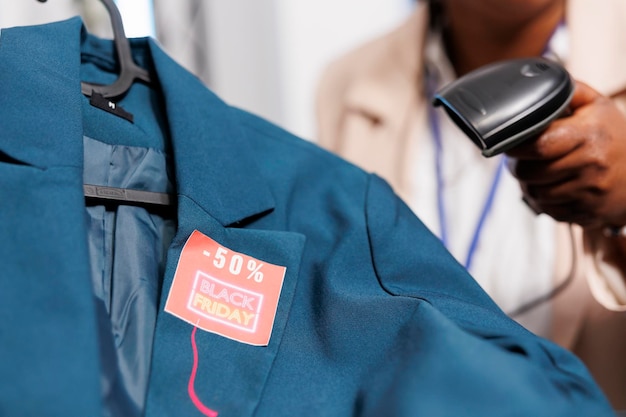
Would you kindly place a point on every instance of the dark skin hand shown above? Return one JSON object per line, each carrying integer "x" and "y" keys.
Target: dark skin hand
{"x": 575, "y": 170}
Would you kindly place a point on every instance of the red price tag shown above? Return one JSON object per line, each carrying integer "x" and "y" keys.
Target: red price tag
{"x": 225, "y": 292}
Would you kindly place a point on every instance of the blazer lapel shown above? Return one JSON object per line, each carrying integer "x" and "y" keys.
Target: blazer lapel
{"x": 382, "y": 101}
{"x": 45, "y": 291}
{"x": 220, "y": 190}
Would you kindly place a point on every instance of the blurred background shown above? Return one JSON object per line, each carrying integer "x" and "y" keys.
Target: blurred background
{"x": 265, "y": 56}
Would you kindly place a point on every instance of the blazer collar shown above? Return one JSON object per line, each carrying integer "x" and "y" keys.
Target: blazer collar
{"x": 215, "y": 166}
{"x": 386, "y": 88}
{"x": 40, "y": 94}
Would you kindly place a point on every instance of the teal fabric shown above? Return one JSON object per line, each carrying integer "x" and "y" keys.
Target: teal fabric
{"x": 375, "y": 318}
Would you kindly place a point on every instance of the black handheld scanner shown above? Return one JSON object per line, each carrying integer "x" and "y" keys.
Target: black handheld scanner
{"x": 502, "y": 104}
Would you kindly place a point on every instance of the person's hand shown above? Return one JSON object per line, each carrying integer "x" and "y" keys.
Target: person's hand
{"x": 575, "y": 171}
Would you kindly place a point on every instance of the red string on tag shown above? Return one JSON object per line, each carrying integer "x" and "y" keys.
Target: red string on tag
{"x": 192, "y": 378}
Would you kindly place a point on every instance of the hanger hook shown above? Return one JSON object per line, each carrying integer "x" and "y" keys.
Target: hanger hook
{"x": 129, "y": 70}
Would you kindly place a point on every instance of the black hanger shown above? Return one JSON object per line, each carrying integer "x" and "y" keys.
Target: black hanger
{"x": 112, "y": 196}
{"x": 129, "y": 72}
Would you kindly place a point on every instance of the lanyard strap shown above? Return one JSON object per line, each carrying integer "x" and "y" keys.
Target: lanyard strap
{"x": 441, "y": 204}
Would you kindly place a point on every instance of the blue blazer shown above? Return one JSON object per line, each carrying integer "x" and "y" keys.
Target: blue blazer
{"x": 375, "y": 318}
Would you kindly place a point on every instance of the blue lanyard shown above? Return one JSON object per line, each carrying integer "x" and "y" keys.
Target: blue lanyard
{"x": 441, "y": 206}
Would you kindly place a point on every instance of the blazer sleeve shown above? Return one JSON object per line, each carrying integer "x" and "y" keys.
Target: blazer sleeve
{"x": 460, "y": 355}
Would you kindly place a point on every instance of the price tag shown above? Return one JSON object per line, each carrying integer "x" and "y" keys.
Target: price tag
{"x": 225, "y": 292}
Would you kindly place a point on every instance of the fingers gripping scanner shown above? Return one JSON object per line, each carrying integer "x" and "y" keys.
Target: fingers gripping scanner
{"x": 503, "y": 104}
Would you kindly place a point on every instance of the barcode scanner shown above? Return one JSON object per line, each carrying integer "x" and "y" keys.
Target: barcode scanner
{"x": 505, "y": 103}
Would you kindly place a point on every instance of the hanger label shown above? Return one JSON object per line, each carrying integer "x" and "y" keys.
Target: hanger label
{"x": 97, "y": 100}
{"x": 225, "y": 292}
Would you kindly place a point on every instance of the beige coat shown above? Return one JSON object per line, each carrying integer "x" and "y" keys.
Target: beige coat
{"x": 367, "y": 106}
